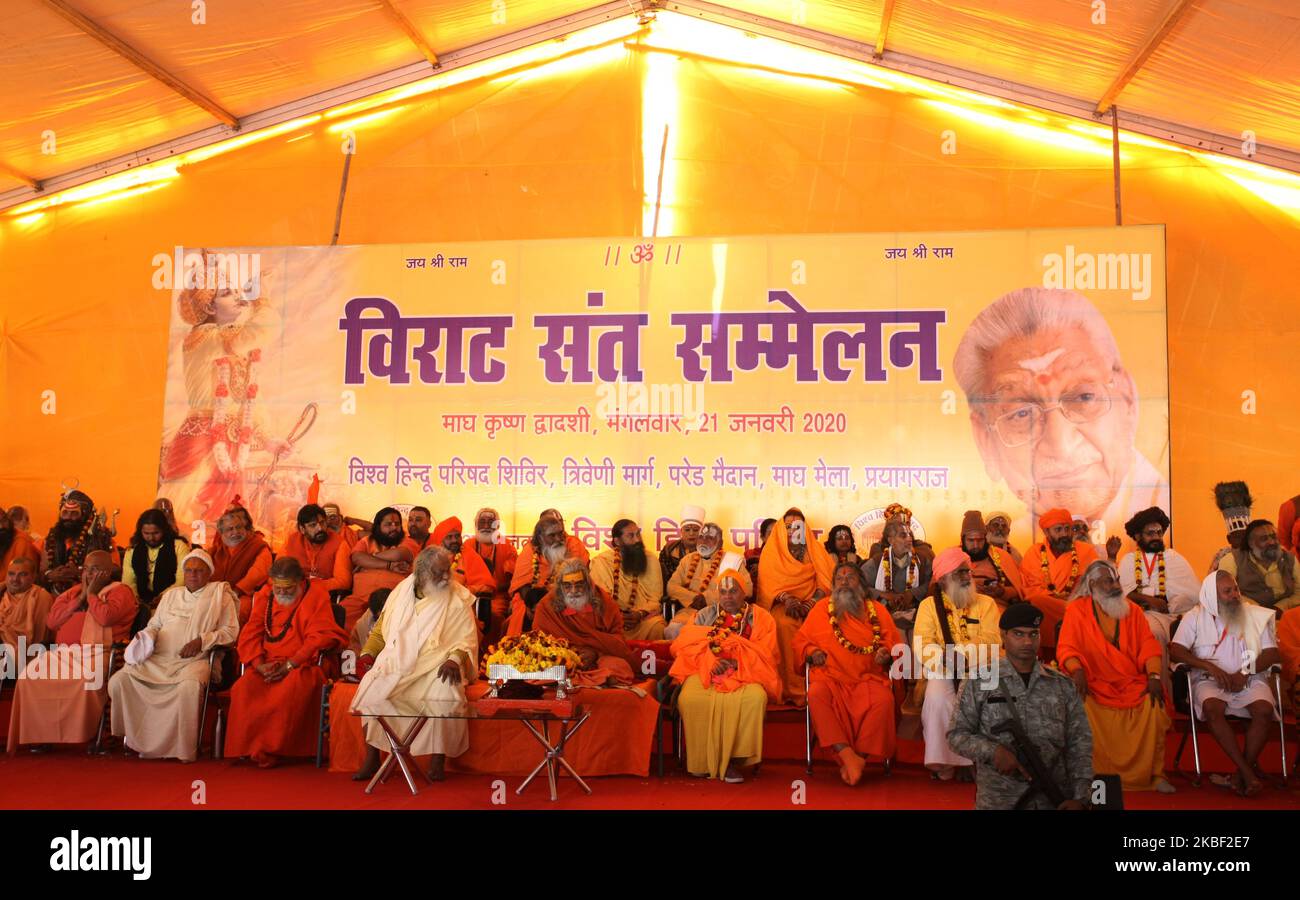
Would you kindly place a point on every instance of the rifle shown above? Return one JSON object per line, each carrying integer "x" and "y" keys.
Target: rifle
{"x": 1040, "y": 779}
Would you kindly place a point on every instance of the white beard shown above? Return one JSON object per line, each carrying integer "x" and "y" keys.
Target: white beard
{"x": 1234, "y": 618}
{"x": 554, "y": 555}
{"x": 848, "y": 602}
{"x": 577, "y": 604}
{"x": 961, "y": 595}
{"x": 1116, "y": 605}
{"x": 439, "y": 591}
{"x": 487, "y": 537}
{"x": 707, "y": 554}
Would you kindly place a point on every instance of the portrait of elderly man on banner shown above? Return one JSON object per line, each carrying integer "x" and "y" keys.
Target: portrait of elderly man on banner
{"x": 1054, "y": 410}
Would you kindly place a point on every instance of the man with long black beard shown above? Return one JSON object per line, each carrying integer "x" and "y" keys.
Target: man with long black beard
{"x": 14, "y": 544}
{"x": 1228, "y": 641}
{"x": 996, "y": 572}
{"x": 381, "y": 560}
{"x": 152, "y": 565}
{"x": 630, "y": 574}
{"x": 1157, "y": 578}
{"x": 74, "y": 535}
{"x": 1051, "y": 570}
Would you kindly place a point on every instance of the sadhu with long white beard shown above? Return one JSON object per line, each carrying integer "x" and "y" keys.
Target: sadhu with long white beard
{"x": 1227, "y": 641}
{"x": 418, "y": 659}
{"x": 955, "y": 620}
{"x": 847, "y": 641}
{"x": 694, "y": 582}
{"x": 1108, "y": 649}
{"x": 581, "y": 614}
{"x": 532, "y": 581}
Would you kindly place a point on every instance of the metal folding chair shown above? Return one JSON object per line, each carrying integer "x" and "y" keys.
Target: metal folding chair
{"x": 1274, "y": 674}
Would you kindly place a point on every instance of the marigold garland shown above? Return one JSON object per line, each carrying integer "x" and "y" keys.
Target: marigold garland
{"x": 877, "y": 639}
{"x": 721, "y": 630}
{"x": 532, "y": 651}
{"x": 889, "y": 571}
{"x": 1074, "y": 569}
{"x": 708, "y": 576}
{"x": 1160, "y": 571}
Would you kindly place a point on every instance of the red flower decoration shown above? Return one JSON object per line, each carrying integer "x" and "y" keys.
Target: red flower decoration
{"x": 251, "y": 392}
{"x": 222, "y": 391}
{"x": 245, "y": 435}
{"x": 255, "y": 355}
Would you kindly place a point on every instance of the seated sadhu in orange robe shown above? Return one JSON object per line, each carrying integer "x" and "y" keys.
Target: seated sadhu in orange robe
{"x": 500, "y": 557}
{"x": 24, "y": 609}
{"x": 996, "y": 573}
{"x": 846, "y": 640}
{"x": 794, "y": 572}
{"x": 467, "y": 568}
{"x": 591, "y": 622}
{"x": 1107, "y": 647}
{"x": 727, "y": 664}
{"x": 60, "y": 694}
{"x": 381, "y": 560}
{"x": 241, "y": 557}
{"x": 336, "y": 523}
{"x": 532, "y": 581}
{"x": 275, "y": 705}
{"x": 1051, "y": 570}
{"x": 323, "y": 554}
{"x": 694, "y": 582}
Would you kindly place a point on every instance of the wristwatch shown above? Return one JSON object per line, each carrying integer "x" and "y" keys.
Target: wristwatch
{"x": 288, "y": 664}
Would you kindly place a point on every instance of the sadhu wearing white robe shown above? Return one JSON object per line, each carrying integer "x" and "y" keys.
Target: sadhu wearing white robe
{"x": 420, "y": 654}
{"x": 157, "y": 695}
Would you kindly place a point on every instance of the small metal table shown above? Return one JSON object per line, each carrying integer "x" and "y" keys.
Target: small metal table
{"x": 400, "y": 741}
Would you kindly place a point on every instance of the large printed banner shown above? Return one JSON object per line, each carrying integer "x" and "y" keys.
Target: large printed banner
{"x": 1000, "y": 371}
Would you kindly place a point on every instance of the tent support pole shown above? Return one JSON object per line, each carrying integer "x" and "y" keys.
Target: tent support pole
{"x": 1114, "y": 144}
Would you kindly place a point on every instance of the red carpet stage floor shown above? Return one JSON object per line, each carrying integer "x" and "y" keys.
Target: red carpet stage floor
{"x": 66, "y": 778}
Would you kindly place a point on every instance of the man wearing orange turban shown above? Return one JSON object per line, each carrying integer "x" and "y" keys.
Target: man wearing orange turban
{"x": 467, "y": 568}
{"x": 1051, "y": 570}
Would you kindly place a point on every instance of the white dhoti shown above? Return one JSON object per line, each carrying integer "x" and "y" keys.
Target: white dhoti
{"x": 936, "y": 715}
{"x": 420, "y": 635}
{"x": 1257, "y": 688}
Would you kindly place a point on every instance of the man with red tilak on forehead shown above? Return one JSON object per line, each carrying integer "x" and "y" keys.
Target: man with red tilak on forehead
{"x": 1053, "y": 410}
{"x": 500, "y": 558}
{"x": 75, "y": 534}
{"x": 1051, "y": 570}
{"x": 532, "y": 581}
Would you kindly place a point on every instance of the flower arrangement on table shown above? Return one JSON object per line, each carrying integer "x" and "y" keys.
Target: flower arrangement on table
{"x": 516, "y": 664}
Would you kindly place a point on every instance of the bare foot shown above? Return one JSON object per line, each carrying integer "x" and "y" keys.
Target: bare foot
{"x": 851, "y": 766}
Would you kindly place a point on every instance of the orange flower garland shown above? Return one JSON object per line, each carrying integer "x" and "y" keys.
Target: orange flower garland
{"x": 877, "y": 641}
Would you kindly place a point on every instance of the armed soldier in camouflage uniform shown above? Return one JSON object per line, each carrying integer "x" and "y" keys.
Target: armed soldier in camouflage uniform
{"x": 1049, "y": 711}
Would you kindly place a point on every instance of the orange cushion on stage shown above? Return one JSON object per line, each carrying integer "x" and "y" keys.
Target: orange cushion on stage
{"x": 616, "y": 740}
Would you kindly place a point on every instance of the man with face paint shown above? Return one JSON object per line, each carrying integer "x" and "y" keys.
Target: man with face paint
{"x": 241, "y": 556}
{"x": 794, "y": 572}
{"x": 76, "y": 533}
{"x": 24, "y": 609}
{"x": 694, "y": 583}
{"x": 537, "y": 561}
{"x": 60, "y": 694}
{"x": 1053, "y": 410}
{"x": 630, "y": 575}
{"x": 1228, "y": 642}
{"x": 418, "y": 659}
{"x": 1049, "y": 710}
{"x": 591, "y": 623}
{"x": 1264, "y": 571}
{"x": 157, "y": 694}
{"x": 275, "y": 705}
{"x": 1051, "y": 570}
{"x": 727, "y": 664}
{"x": 501, "y": 559}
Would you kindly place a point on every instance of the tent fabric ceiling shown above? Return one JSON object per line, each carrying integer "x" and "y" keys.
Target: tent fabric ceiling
{"x": 1227, "y": 66}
